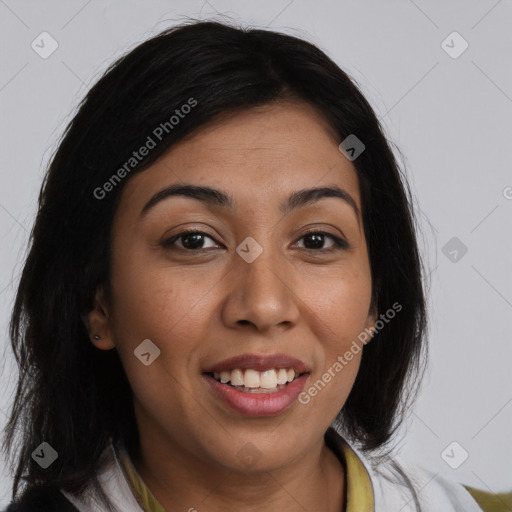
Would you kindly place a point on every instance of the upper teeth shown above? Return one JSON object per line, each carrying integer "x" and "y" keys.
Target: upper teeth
{"x": 249, "y": 378}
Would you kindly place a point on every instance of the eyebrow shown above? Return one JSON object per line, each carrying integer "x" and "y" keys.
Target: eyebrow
{"x": 214, "y": 197}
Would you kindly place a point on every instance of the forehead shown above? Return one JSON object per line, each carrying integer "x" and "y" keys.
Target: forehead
{"x": 259, "y": 155}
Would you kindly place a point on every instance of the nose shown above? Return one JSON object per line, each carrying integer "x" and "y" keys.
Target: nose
{"x": 262, "y": 293}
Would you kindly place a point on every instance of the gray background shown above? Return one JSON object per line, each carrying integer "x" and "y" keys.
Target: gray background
{"x": 450, "y": 118}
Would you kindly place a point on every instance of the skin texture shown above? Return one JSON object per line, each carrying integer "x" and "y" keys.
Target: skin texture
{"x": 202, "y": 307}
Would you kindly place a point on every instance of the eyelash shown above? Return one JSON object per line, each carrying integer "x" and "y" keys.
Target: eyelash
{"x": 338, "y": 242}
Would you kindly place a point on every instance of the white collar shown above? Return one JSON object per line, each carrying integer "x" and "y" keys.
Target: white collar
{"x": 113, "y": 481}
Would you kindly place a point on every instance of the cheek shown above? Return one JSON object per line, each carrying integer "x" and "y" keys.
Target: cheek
{"x": 165, "y": 311}
{"x": 339, "y": 311}
{"x": 340, "y": 302}
{"x": 155, "y": 305}
{"x": 158, "y": 302}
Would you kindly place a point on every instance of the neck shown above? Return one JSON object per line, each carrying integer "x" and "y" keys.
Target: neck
{"x": 315, "y": 481}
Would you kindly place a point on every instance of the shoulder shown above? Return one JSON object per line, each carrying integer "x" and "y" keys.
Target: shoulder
{"x": 411, "y": 488}
{"x": 397, "y": 484}
{"x": 41, "y": 499}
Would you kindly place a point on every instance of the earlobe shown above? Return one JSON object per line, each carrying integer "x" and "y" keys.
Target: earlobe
{"x": 97, "y": 323}
{"x": 371, "y": 323}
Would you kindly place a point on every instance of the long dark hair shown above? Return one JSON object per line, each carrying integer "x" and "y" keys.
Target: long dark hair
{"x": 76, "y": 397}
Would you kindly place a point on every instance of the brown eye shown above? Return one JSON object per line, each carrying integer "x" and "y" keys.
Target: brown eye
{"x": 190, "y": 240}
{"x": 316, "y": 240}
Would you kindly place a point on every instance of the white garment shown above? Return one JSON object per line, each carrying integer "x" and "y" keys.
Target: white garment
{"x": 399, "y": 486}
{"x": 115, "y": 485}
{"x": 392, "y": 484}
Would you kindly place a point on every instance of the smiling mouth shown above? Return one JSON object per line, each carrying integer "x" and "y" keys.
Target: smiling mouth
{"x": 253, "y": 381}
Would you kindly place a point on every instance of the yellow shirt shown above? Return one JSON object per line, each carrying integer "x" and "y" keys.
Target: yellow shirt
{"x": 358, "y": 486}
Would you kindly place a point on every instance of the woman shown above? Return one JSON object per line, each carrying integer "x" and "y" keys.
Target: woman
{"x": 223, "y": 305}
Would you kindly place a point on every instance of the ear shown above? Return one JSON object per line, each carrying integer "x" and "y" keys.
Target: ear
{"x": 97, "y": 322}
{"x": 371, "y": 319}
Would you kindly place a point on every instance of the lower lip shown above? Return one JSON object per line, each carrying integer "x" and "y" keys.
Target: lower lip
{"x": 258, "y": 404}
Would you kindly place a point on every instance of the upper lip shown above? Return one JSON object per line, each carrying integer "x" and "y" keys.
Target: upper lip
{"x": 259, "y": 363}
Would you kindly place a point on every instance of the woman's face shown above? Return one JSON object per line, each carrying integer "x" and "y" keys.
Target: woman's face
{"x": 253, "y": 285}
